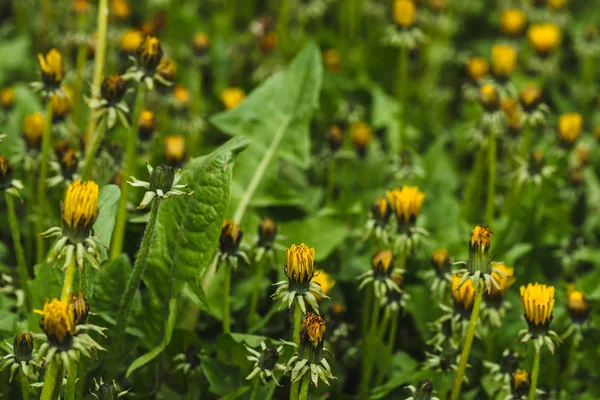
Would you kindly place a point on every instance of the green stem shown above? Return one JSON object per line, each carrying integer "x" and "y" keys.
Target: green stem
{"x": 80, "y": 66}
{"x": 389, "y": 347}
{"x": 16, "y": 237}
{"x": 283, "y": 22}
{"x": 24, "y": 385}
{"x": 369, "y": 350}
{"x": 296, "y": 337}
{"x": 304, "y": 388}
{"x": 570, "y": 358}
{"x": 255, "y": 387}
{"x": 67, "y": 289}
{"x": 535, "y": 374}
{"x": 258, "y": 277}
{"x": 52, "y": 378}
{"x": 402, "y": 93}
{"x": 331, "y": 180}
{"x": 491, "y": 189}
{"x": 91, "y": 151}
{"x": 525, "y": 142}
{"x": 83, "y": 281}
{"x": 41, "y": 195}
{"x": 130, "y": 159}
{"x": 71, "y": 381}
{"x": 365, "y": 317}
{"x": 31, "y": 239}
{"x": 134, "y": 282}
{"x": 226, "y": 290}
{"x": 468, "y": 341}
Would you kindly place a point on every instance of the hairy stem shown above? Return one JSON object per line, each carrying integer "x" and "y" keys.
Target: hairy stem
{"x": 130, "y": 159}
{"x": 255, "y": 387}
{"x": 491, "y": 189}
{"x": 296, "y": 337}
{"x": 226, "y": 289}
{"x": 71, "y": 381}
{"x": 41, "y": 195}
{"x": 24, "y": 385}
{"x": 535, "y": 374}
{"x": 468, "y": 341}
{"x": 52, "y": 378}
{"x": 368, "y": 351}
{"x": 304, "y": 388}
{"x": 20, "y": 254}
{"x": 402, "y": 93}
{"x": 67, "y": 289}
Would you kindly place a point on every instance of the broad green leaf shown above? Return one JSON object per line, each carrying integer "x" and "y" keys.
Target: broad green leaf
{"x": 111, "y": 279}
{"x": 223, "y": 379}
{"x": 276, "y": 116}
{"x": 108, "y": 200}
{"x": 322, "y": 232}
{"x": 152, "y": 354}
{"x": 386, "y": 113}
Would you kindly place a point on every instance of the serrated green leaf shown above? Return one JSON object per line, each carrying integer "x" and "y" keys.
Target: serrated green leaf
{"x": 276, "y": 116}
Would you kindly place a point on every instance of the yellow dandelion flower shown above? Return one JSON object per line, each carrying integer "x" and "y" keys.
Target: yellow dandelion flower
{"x": 325, "y": 281}
{"x": 463, "y": 296}
{"x": 504, "y": 279}
{"x": 405, "y": 13}
{"x": 504, "y": 60}
{"x": 383, "y": 262}
{"x": 146, "y": 125}
{"x": 360, "y": 136}
{"x": 232, "y": 97}
{"x": 58, "y": 321}
{"x": 150, "y": 53}
{"x": 530, "y": 97}
{"x": 578, "y": 306}
{"x": 332, "y": 61}
{"x": 569, "y": 127}
{"x": 131, "y": 40}
{"x": 488, "y": 96}
{"x": 481, "y": 237}
{"x": 51, "y": 66}
{"x": 175, "y": 149}
{"x": 440, "y": 260}
{"x": 7, "y": 98}
{"x": 231, "y": 237}
{"x": 513, "y": 21}
{"x": 544, "y": 37}
{"x": 520, "y": 381}
{"x": 300, "y": 263}
{"x": 477, "y": 68}
{"x": 80, "y": 209}
{"x": 406, "y": 203}
{"x": 33, "y": 129}
{"x": 538, "y": 302}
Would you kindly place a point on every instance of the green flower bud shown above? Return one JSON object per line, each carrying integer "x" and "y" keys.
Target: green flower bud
{"x": 107, "y": 391}
{"x": 268, "y": 358}
{"x": 23, "y": 346}
{"x": 424, "y": 390}
{"x": 162, "y": 178}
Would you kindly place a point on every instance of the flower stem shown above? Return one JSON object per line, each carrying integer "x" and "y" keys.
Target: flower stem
{"x": 365, "y": 318}
{"x": 389, "y": 346}
{"x": 468, "y": 341}
{"x": 226, "y": 289}
{"x": 255, "y": 387}
{"x": 369, "y": 350}
{"x": 304, "y": 387}
{"x": 283, "y": 22}
{"x": 81, "y": 55}
{"x": 41, "y": 195}
{"x": 71, "y": 381}
{"x": 130, "y": 158}
{"x": 535, "y": 374}
{"x": 68, "y": 282}
{"x": 491, "y": 189}
{"x": 402, "y": 92}
{"x": 16, "y": 237}
{"x": 525, "y": 142}
{"x": 258, "y": 277}
{"x": 24, "y": 385}
{"x": 91, "y": 151}
{"x": 133, "y": 283}
{"x": 52, "y": 378}
{"x": 296, "y": 337}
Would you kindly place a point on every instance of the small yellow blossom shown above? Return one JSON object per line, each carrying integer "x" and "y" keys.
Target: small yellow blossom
{"x": 578, "y": 305}
{"x": 150, "y": 53}
{"x": 131, "y": 40}
{"x": 80, "y": 208}
{"x": 231, "y": 237}
{"x": 52, "y": 68}
{"x": 569, "y": 127}
{"x": 538, "y": 302}
{"x": 58, "y": 320}
{"x": 325, "y": 281}
{"x": 463, "y": 296}
{"x": 544, "y": 37}
{"x": 33, "y": 129}
{"x": 383, "y": 262}
{"x": 174, "y": 149}
{"x": 488, "y": 96}
{"x": 360, "y": 136}
{"x": 232, "y": 97}
{"x": 405, "y": 13}
{"x": 332, "y": 61}
{"x": 7, "y": 98}
{"x": 504, "y": 279}
{"x": 513, "y": 21}
{"x": 300, "y": 263}
{"x": 406, "y": 203}
{"x": 481, "y": 237}
{"x": 504, "y": 60}
{"x": 477, "y": 68}
{"x": 520, "y": 380}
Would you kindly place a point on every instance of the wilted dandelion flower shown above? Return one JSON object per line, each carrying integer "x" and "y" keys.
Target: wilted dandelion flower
{"x": 495, "y": 304}
{"x": 504, "y": 60}
{"x": 309, "y": 357}
{"x": 265, "y": 362}
{"x": 231, "y": 97}
{"x": 381, "y": 211}
{"x": 148, "y": 57}
{"x": 534, "y": 111}
{"x": 21, "y": 355}
{"x": 538, "y": 303}
{"x": 66, "y": 165}
{"x": 569, "y": 128}
{"x": 504, "y": 370}
{"x": 300, "y": 271}
{"x": 164, "y": 183}
{"x": 332, "y": 61}
{"x": 229, "y": 243}
{"x": 267, "y": 232}
{"x": 167, "y": 70}
{"x": 440, "y": 275}
{"x": 423, "y": 391}
{"x": 335, "y": 137}
{"x": 513, "y": 21}
{"x": 544, "y": 38}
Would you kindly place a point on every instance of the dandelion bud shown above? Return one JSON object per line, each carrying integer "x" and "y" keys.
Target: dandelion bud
{"x": 120, "y": 9}
{"x": 312, "y": 336}
{"x": 477, "y": 68}
{"x": 267, "y": 230}
{"x": 58, "y": 323}
{"x": 113, "y": 88}
{"x": 479, "y": 247}
{"x": 80, "y": 210}
{"x": 405, "y": 13}
{"x": 162, "y": 178}
{"x": 167, "y": 70}
{"x": 232, "y": 97}
{"x": 381, "y": 210}
{"x": 509, "y": 363}
{"x": 299, "y": 267}
{"x": 33, "y": 129}
{"x": 81, "y": 308}
{"x": 6, "y": 173}
{"x": 150, "y": 54}
{"x": 360, "y": 136}
{"x": 504, "y": 60}
{"x": 424, "y": 390}
{"x": 146, "y": 125}
{"x": 383, "y": 262}
{"x": 575, "y": 176}
{"x": 61, "y": 105}
{"x": 504, "y": 279}
{"x": 7, "y": 98}
{"x": 51, "y": 67}
{"x": 519, "y": 382}
{"x": 23, "y": 347}
{"x": 538, "y": 302}
{"x": 569, "y": 128}
{"x": 512, "y": 22}
{"x": 536, "y": 162}
{"x": 463, "y": 296}
{"x": 107, "y": 391}
{"x": 530, "y": 97}
{"x": 68, "y": 161}
{"x": 488, "y": 97}
{"x": 335, "y": 137}
{"x": 332, "y": 61}
{"x": 578, "y": 306}
{"x": 544, "y": 38}
{"x": 441, "y": 261}
{"x": 131, "y": 40}
{"x": 268, "y": 358}
{"x": 174, "y": 148}
{"x": 231, "y": 237}
{"x": 192, "y": 356}
{"x": 200, "y": 44}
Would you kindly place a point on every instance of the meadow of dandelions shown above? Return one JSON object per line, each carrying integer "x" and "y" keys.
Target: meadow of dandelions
{"x": 303, "y": 199}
